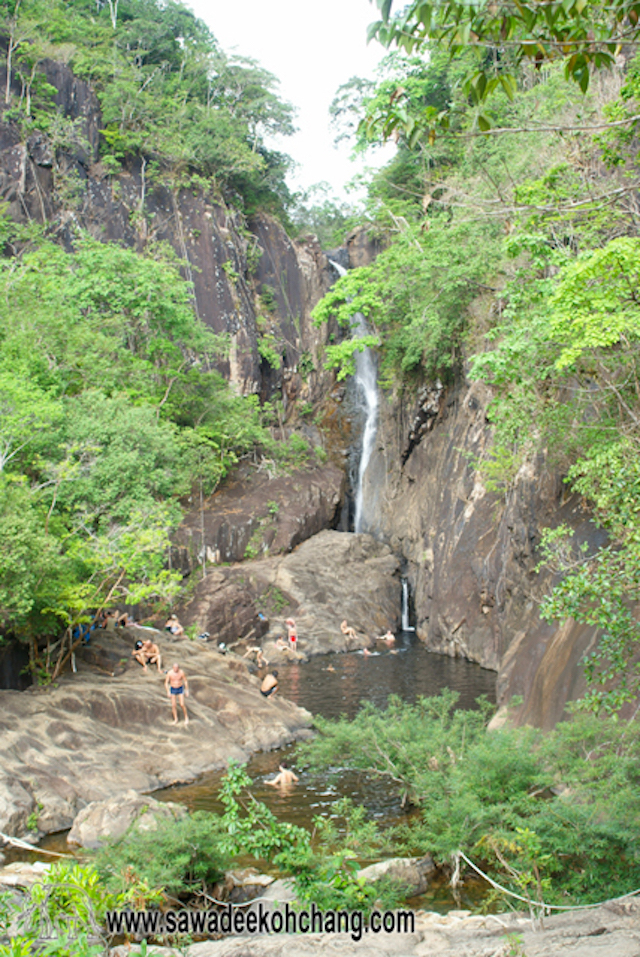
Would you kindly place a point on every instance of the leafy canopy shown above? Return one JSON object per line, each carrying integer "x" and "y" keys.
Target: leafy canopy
{"x": 584, "y": 35}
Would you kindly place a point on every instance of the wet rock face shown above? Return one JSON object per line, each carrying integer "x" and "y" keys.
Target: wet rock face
{"x": 255, "y": 515}
{"x": 108, "y": 729}
{"x": 471, "y": 553}
{"x": 330, "y": 577}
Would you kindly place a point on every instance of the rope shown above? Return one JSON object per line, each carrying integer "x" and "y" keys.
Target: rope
{"x": 530, "y": 902}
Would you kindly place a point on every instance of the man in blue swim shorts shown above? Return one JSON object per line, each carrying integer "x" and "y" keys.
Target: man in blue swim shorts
{"x": 177, "y": 686}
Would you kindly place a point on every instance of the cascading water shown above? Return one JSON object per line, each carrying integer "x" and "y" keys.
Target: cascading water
{"x": 405, "y": 606}
{"x": 366, "y": 384}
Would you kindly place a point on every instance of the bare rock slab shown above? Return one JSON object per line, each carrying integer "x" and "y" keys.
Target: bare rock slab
{"x": 412, "y": 872}
{"x": 330, "y": 577}
{"x": 103, "y": 821}
{"x": 107, "y": 730}
{"x": 609, "y": 931}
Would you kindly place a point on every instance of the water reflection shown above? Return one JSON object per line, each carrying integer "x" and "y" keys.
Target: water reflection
{"x": 354, "y": 678}
{"x": 409, "y": 671}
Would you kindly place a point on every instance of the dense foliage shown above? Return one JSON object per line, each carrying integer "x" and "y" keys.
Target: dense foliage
{"x": 112, "y": 412}
{"x": 554, "y": 817}
{"x": 180, "y": 858}
{"x": 497, "y": 39}
{"x": 168, "y": 93}
{"x": 519, "y": 253}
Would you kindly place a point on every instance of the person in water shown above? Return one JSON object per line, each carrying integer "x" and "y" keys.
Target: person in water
{"x": 269, "y": 685}
{"x": 389, "y": 638}
{"x": 177, "y": 686}
{"x": 284, "y": 779}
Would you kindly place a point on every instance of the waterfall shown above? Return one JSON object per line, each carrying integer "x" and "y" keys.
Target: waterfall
{"x": 366, "y": 383}
{"x": 405, "y": 606}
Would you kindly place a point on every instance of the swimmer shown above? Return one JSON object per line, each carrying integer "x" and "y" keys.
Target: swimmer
{"x": 389, "y": 637}
{"x": 284, "y": 779}
{"x": 329, "y": 668}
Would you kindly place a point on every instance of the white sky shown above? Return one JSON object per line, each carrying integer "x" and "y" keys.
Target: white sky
{"x": 312, "y": 49}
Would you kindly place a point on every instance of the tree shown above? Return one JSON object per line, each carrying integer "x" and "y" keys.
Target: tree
{"x": 584, "y": 35}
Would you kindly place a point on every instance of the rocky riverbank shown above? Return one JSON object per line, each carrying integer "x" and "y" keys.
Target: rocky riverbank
{"x": 609, "y": 931}
{"x": 107, "y": 729}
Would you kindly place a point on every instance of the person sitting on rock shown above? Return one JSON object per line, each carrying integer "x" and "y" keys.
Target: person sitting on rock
{"x": 110, "y": 621}
{"x": 173, "y": 625}
{"x": 147, "y": 653}
{"x": 348, "y": 631}
{"x": 177, "y": 686}
{"x": 285, "y": 779}
{"x": 269, "y": 685}
{"x": 281, "y": 644}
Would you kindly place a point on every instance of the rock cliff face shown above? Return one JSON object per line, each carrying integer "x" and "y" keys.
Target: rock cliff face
{"x": 254, "y": 515}
{"x": 240, "y": 271}
{"x": 470, "y": 554}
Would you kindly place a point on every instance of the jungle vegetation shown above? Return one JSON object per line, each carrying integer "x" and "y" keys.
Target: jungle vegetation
{"x": 512, "y": 250}
{"x": 111, "y": 409}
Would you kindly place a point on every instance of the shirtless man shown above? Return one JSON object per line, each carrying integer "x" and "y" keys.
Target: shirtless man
{"x": 148, "y": 654}
{"x": 285, "y": 779}
{"x": 293, "y": 634}
{"x": 390, "y": 638}
{"x": 177, "y": 686}
{"x": 269, "y": 685}
{"x": 348, "y": 631}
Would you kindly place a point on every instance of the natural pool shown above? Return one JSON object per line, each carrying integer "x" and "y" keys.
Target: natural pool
{"x": 331, "y": 685}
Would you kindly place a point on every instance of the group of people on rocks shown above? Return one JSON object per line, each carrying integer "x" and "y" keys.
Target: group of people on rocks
{"x": 146, "y": 652}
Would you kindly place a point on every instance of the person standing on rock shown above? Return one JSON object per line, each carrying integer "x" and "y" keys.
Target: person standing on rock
{"x": 293, "y": 634}
{"x": 177, "y": 686}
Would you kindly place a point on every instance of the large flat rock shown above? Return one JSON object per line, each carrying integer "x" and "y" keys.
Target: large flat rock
{"x": 330, "y": 577}
{"x": 103, "y": 731}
